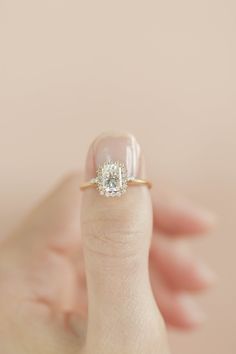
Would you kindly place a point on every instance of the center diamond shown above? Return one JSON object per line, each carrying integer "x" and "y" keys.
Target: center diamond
{"x": 112, "y": 179}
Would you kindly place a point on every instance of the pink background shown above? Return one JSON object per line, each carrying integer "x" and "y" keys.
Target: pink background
{"x": 162, "y": 70}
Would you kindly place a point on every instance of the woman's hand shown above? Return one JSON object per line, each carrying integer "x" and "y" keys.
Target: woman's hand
{"x": 48, "y": 305}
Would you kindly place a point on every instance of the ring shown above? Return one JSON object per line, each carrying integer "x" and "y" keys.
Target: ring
{"x": 112, "y": 180}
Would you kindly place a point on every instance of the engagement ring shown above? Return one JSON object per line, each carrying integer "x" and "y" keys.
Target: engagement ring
{"x": 112, "y": 180}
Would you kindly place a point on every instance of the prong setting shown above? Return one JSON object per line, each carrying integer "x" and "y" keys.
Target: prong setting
{"x": 112, "y": 179}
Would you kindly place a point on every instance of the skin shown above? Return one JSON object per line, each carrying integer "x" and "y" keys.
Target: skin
{"x": 99, "y": 275}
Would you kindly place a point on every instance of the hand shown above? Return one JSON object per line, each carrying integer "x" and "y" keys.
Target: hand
{"x": 44, "y": 291}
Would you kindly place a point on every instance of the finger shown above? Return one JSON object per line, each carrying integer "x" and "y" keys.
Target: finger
{"x": 55, "y": 222}
{"x": 116, "y": 236}
{"x": 45, "y": 245}
{"x": 178, "y": 309}
{"x": 41, "y": 280}
{"x": 175, "y": 216}
{"x": 179, "y": 269}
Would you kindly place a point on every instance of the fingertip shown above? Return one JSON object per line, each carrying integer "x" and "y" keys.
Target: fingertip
{"x": 114, "y": 145}
{"x": 178, "y": 216}
{"x": 200, "y": 219}
{"x": 192, "y": 316}
{"x": 204, "y": 275}
{"x": 179, "y": 309}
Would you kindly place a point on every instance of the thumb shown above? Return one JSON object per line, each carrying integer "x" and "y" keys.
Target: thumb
{"x": 116, "y": 236}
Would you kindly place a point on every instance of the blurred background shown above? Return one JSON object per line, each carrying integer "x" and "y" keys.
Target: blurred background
{"x": 164, "y": 71}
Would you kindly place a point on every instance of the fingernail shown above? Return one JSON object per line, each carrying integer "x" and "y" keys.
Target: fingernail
{"x": 193, "y": 314}
{"x": 118, "y": 147}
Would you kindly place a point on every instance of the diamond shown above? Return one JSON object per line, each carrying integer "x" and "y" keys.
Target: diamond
{"x": 112, "y": 179}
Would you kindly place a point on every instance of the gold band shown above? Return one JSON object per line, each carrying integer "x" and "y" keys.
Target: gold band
{"x": 133, "y": 182}
{"x": 136, "y": 182}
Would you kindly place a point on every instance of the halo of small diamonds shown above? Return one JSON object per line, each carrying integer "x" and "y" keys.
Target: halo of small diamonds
{"x": 112, "y": 179}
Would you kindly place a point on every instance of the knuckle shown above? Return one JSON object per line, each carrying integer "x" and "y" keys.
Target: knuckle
{"x": 116, "y": 233}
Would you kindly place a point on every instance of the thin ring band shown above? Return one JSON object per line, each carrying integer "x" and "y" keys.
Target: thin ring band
{"x": 133, "y": 182}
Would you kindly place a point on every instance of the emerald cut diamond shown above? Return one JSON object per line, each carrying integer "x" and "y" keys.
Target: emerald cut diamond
{"x": 112, "y": 179}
